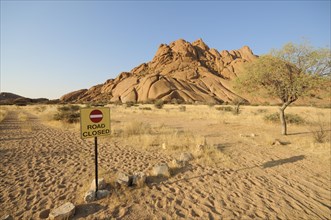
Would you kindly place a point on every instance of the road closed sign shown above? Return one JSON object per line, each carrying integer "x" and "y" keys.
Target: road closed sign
{"x": 94, "y": 122}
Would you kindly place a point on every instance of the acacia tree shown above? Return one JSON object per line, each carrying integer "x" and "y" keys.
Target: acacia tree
{"x": 277, "y": 78}
{"x": 287, "y": 74}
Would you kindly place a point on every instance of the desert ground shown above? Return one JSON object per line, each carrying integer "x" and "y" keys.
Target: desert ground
{"x": 241, "y": 173}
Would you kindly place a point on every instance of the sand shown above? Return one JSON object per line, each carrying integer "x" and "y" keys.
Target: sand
{"x": 43, "y": 167}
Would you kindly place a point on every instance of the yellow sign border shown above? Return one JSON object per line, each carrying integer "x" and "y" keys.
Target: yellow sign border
{"x": 90, "y": 129}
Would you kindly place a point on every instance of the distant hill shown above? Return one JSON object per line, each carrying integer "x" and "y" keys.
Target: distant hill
{"x": 179, "y": 72}
{"x": 7, "y": 98}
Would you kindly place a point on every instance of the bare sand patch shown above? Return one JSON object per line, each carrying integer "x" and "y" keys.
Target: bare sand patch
{"x": 239, "y": 175}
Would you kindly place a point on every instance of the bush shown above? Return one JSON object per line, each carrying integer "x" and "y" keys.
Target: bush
{"x": 182, "y": 108}
{"x": 225, "y": 108}
{"x": 69, "y": 114}
{"x": 320, "y": 134}
{"x": 145, "y": 108}
{"x": 40, "y": 108}
{"x": 137, "y": 128}
{"x": 290, "y": 118}
{"x": 159, "y": 103}
{"x": 130, "y": 104}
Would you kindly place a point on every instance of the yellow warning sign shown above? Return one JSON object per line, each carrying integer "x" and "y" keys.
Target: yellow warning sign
{"x": 94, "y": 122}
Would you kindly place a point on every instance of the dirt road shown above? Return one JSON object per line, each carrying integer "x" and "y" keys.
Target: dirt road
{"x": 43, "y": 167}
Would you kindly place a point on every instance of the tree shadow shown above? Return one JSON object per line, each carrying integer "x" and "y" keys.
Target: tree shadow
{"x": 155, "y": 180}
{"x": 305, "y": 132}
{"x": 84, "y": 210}
{"x": 274, "y": 163}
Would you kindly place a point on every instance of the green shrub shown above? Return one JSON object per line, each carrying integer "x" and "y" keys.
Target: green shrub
{"x": 260, "y": 111}
{"x": 182, "y": 108}
{"x": 290, "y": 118}
{"x": 69, "y": 114}
{"x": 225, "y": 108}
{"x": 159, "y": 103}
{"x": 145, "y": 108}
{"x": 130, "y": 104}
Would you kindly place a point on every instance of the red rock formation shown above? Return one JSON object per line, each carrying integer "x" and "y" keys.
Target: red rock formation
{"x": 188, "y": 72}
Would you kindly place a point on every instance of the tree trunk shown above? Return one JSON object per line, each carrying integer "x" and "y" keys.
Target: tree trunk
{"x": 282, "y": 119}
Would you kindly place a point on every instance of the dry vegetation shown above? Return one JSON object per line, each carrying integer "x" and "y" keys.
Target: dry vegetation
{"x": 180, "y": 128}
{"x": 3, "y": 113}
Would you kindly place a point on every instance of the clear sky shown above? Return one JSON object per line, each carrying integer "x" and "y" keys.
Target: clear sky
{"x": 49, "y": 48}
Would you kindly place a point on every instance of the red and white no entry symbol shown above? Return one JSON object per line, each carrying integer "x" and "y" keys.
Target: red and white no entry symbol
{"x": 96, "y": 116}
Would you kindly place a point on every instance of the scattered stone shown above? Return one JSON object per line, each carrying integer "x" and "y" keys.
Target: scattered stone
{"x": 7, "y": 217}
{"x": 247, "y": 135}
{"x": 63, "y": 212}
{"x": 124, "y": 179}
{"x": 139, "y": 179}
{"x": 185, "y": 157}
{"x": 164, "y": 146}
{"x": 161, "y": 169}
{"x": 89, "y": 196}
{"x": 277, "y": 142}
{"x": 102, "y": 194}
{"x": 175, "y": 164}
{"x": 101, "y": 184}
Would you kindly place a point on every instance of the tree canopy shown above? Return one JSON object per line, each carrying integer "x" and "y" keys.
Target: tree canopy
{"x": 310, "y": 60}
{"x": 280, "y": 79}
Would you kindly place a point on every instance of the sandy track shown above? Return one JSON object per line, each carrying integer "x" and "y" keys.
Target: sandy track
{"x": 42, "y": 167}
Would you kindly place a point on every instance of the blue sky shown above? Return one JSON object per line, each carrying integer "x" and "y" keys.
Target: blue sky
{"x": 49, "y": 48}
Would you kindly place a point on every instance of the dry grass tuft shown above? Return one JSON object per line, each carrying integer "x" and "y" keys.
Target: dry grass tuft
{"x": 22, "y": 116}
{"x": 3, "y": 113}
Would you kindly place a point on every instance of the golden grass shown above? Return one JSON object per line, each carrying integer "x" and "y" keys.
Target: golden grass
{"x": 3, "y": 113}
{"x": 22, "y": 116}
{"x": 171, "y": 130}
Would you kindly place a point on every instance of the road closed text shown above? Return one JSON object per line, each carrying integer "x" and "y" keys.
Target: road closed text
{"x": 95, "y": 122}
{"x": 95, "y": 130}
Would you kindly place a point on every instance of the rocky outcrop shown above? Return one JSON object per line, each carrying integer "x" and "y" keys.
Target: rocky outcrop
{"x": 181, "y": 71}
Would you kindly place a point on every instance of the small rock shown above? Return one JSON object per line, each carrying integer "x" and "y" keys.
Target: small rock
{"x": 161, "y": 170}
{"x": 277, "y": 142}
{"x": 7, "y": 217}
{"x": 164, "y": 146}
{"x": 175, "y": 164}
{"x": 101, "y": 184}
{"x": 124, "y": 179}
{"x": 185, "y": 157}
{"x": 89, "y": 196}
{"x": 102, "y": 194}
{"x": 253, "y": 135}
{"x": 63, "y": 212}
{"x": 139, "y": 179}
